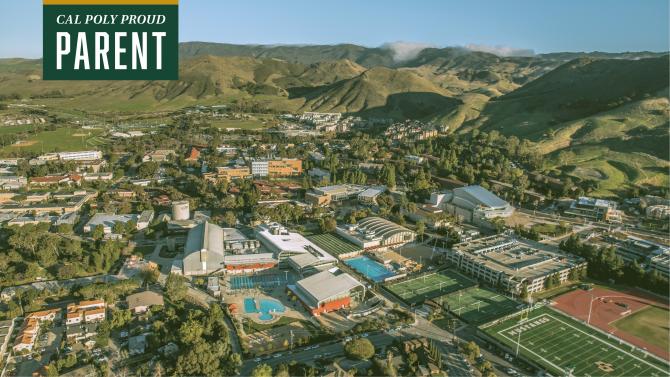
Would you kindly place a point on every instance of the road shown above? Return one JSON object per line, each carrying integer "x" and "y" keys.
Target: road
{"x": 307, "y": 356}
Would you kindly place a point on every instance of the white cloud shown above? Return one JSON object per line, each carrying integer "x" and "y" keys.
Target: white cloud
{"x": 404, "y": 51}
{"x": 501, "y": 50}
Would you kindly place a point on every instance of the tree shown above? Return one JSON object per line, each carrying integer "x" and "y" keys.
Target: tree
{"x": 190, "y": 332}
{"x": 229, "y": 218}
{"x": 175, "y": 288}
{"x": 420, "y": 229}
{"x": 524, "y": 292}
{"x": 262, "y": 370}
{"x": 359, "y": 349}
{"x": 328, "y": 225}
{"x": 119, "y": 228}
{"x": 470, "y": 350}
{"x": 98, "y": 232}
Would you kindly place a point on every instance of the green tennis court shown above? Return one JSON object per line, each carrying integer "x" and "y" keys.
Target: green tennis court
{"x": 427, "y": 286}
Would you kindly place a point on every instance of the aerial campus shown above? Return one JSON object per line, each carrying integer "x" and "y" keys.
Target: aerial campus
{"x": 317, "y": 255}
{"x": 344, "y": 210}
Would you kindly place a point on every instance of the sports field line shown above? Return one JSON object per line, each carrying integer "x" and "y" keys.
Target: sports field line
{"x": 581, "y": 331}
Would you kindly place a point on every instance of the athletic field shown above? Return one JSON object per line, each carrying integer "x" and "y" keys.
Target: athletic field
{"x": 477, "y": 305}
{"x": 333, "y": 244}
{"x": 561, "y": 344}
{"x": 427, "y": 286}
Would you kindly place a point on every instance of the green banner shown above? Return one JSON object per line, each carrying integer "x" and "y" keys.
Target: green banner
{"x": 110, "y": 41}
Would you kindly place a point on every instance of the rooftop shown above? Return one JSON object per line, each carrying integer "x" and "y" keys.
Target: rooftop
{"x": 485, "y": 197}
{"x": 516, "y": 257}
{"x": 326, "y": 284}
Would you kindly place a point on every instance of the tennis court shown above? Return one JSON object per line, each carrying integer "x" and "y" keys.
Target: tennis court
{"x": 424, "y": 287}
{"x": 568, "y": 347}
{"x": 477, "y": 305}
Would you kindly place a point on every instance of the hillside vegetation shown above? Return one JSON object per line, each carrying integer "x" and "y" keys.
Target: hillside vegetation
{"x": 597, "y": 115}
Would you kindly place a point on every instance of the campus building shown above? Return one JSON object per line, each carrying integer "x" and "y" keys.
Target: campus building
{"x": 48, "y": 203}
{"x": 285, "y": 167}
{"x": 107, "y": 221}
{"x": 231, "y": 173}
{"x": 594, "y": 209}
{"x": 376, "y": 233}
{"x": 85, "y": 312}
{"x": 650, "y": 255}
{"x": 327, "y": 291}
{"x": 510, "y": 263}
{"x": 473, "y": 204}
{"x": 285, "y": 244}
{"x": 323, "y": 196}
{"x": 71, "y": 156}
{"x": 212, "y": 249}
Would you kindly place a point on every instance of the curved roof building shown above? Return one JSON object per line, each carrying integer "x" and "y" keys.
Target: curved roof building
{"x": 375, "y": 232}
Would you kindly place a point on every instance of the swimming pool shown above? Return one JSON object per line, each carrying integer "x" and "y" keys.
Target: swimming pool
{"x": 266, "y": 307}
{"x": 371, "y": 269}
{"x": 258, "y": 281}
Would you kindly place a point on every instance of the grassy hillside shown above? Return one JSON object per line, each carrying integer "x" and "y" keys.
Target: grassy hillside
{"x": 600, "y": 116}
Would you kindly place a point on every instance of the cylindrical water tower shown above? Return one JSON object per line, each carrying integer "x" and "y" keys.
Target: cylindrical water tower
{"x": 180, "y": 210}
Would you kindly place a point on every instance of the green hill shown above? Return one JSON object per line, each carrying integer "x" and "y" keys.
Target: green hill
{"x": 598, "y": 115}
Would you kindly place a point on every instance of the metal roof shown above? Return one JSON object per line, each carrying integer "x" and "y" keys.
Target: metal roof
{"x": 483, "y": 196}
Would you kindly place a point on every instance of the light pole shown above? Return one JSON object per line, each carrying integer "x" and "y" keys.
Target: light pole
{"x": 588, "y": 319}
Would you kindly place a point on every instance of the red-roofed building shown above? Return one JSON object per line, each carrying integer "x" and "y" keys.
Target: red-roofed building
{"x": 193, "y": 155}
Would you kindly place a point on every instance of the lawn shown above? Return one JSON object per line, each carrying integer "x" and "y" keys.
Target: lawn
{"x": 550, "y": 229}
{"x": 62, "y": 139}
{"x": 333, "y": 244}
{"x": 561, "y": 344}
{"x": 427, "y": 286}
{"x": 650, "y": 324}
{"x": 478, "y": 305}
{"x": 251, "y": 326}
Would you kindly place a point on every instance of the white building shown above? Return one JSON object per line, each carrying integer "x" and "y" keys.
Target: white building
{"x": 284, "y": 244}
{"x": 260, "y": 168}
{"x": 511, "y": 263}
{"x": 473, "y": 204}
{"x": 376, "y": 233}
{"x": 81, "y": 155}
{"x": 211, "y": 249}
{"x": 108, "y": 220}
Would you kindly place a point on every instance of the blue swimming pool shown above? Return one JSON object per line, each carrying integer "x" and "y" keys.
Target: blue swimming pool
{"x": 259, "y": 281}
{"x": 371, "y": 269}
{"x": 265, "y": 307}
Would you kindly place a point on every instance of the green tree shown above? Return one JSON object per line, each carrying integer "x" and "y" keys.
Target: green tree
{"x": 98, "y": 232}
{"x": 420, "y": 229}
{"x": 175, "y": 288}
{"x": 359, "y": 349}
{"x": 262, "y": 370}
{"x": 229, "y": 218}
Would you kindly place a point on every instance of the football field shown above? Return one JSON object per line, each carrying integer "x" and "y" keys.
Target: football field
{"x": 418, "y": 289}
{"x": 565, "y": 346}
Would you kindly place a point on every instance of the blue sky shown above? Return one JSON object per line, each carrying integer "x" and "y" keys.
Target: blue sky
{"x": 538, "y": 25}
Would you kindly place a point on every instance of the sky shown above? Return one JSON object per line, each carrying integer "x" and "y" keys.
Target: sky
{"x": 506, "y": 27}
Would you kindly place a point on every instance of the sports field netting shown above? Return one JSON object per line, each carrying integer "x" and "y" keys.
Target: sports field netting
{"x": 418, "y": 289}
{"x": 478, "y": 305}
{"x": 561, "y": 344}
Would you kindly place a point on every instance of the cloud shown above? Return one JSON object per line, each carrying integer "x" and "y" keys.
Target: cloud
{"x": 501, "y": 50}
{"x": 404, "y": 51}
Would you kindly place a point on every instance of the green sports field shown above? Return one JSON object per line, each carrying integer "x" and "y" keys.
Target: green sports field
{"x": 333, "y": 244}
{"x": 478, "y": 305}
{"x": 560, "y": 343}
{"x": 427, "y": 286}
